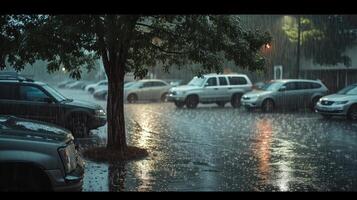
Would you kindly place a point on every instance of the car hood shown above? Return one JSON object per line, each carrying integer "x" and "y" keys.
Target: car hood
{"x": 24, "y": 129}
{"x": 83, "y": 104}
{"x": 256, "y": 93}
{"x": 184, "y": 88}
{"x": 339, "y": 97}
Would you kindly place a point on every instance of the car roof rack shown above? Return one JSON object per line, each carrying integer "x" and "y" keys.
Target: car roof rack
{"x": 13, "y": 76}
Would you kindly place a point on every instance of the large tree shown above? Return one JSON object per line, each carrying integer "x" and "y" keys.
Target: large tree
{"x": 324, "y": 38}
{"x": 132, "y": 43}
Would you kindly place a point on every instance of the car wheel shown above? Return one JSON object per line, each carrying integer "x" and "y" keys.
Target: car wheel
{"x": 132, "y": 98}
{"x": 91, "y": 90}
{"x": 192, "y": 101}
{"x": 236, "y": 100}
{"x": 221, "y": 104}
{"x": 78, "y": 125}
{"x": 179, "y": 104}
{"x": 352, "y": 113}
{"x": 268, "y": 106}
{"x": 164, "y": 97}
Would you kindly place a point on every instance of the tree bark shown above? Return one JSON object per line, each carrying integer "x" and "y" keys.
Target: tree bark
{"x": 115, "y": 110}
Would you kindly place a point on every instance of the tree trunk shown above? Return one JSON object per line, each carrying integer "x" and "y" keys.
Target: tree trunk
{"x": 115, "y": 111}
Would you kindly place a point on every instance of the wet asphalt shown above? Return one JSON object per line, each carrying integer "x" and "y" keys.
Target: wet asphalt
{"x": 225, "y": 149}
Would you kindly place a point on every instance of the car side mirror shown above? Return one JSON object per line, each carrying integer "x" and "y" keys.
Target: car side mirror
{"x": 283, "y": 88}
{"x": 205, "y": 85}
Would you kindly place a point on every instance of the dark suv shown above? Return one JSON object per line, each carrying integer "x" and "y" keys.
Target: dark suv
{"x": 35, "y": 100}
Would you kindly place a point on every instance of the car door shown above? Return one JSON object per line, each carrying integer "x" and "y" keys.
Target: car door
{"x": 210, "y": 90}
{"x": 304, "y": 91}
{"x": 9, "y": 99}
{"x": 286, "y": 97}
{"x": 35, "y": 103}
{"x": 159, "y": 88}
{"x": 223, "y": 90}
{"x": 144, "y": 92}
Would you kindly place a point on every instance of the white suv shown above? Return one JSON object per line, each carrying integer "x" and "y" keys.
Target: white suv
{"x": 211, "y": 88}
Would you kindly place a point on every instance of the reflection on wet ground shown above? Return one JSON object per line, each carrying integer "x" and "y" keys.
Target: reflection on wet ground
{"x": 225, "y": 149}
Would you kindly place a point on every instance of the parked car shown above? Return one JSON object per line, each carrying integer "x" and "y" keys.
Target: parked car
{"x": 78, "y": 85}
{"x": 343, "y": 103}
{"x": 39, "y": 101}
{"x": 176, "y": 83}
{"x": 148, "y": 89}
{"x": 65, "y": 83}
{"x": 93, "y": 87}
{"x": 211, "y": 88}
{"x": 258, "y": 85}
{"x": 101, "y": 94}
{"x": 37, "y": 156}
{"x": 288, "y": 93}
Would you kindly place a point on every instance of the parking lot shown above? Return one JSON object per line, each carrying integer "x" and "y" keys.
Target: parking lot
{"x": 212, "y": 148}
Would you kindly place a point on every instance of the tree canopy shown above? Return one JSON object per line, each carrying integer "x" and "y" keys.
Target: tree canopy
{"x": 324, "y": 38}
{"x": 73, "y": 41}
{"x": 129, "y": 43}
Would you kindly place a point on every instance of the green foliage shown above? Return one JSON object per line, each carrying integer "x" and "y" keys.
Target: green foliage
{"x": 130, "y": 43}
{"x": 324, "y": 38}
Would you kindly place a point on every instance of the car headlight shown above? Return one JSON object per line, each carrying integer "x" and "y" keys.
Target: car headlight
{"x": 340, "y": 102}
{"x": 69, "y": 157}
{"x": 254, "y": 97}
{"x": 100, "y": 113}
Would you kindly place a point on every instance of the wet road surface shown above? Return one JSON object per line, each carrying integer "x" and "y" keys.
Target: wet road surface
{"x": 225, "y": 149}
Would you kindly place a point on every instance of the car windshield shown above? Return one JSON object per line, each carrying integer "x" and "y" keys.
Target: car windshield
{"x": 58, "y": 96}
{"x": 349, "y": 90}
{"x": 196, "y": 82}
{"x": 271, "y": 86}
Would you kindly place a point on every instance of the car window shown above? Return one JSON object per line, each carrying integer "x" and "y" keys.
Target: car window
{"x": 236, "y": 80}
{"x": 31, "y": 93}
{"x": 315, "y": 85}
{"x": 211, "y": 81}
{"x": 291, "y": 86}
{"x": 103, "y": 83}
{"x": 303, "y": 85}
{"x": 350, "y": 90}
{"x": 147, "y": 84}
{"x": 158, "y": 84}
{"x": 8, "y": 92}
{"x": 223, "y": 81}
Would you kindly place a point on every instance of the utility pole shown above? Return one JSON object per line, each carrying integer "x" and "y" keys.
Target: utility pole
{"x": 298, "y": 47}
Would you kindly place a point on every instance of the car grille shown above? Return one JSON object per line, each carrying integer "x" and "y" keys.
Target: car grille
{"x": 326, "y": 103}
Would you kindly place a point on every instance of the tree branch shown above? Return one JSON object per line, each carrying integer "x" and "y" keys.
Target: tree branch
{"x": 169, "y": 52}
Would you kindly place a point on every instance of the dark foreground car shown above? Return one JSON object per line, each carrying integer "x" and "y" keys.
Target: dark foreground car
{"x": 37, "y": 156}
{"x": 38, "y": 101}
